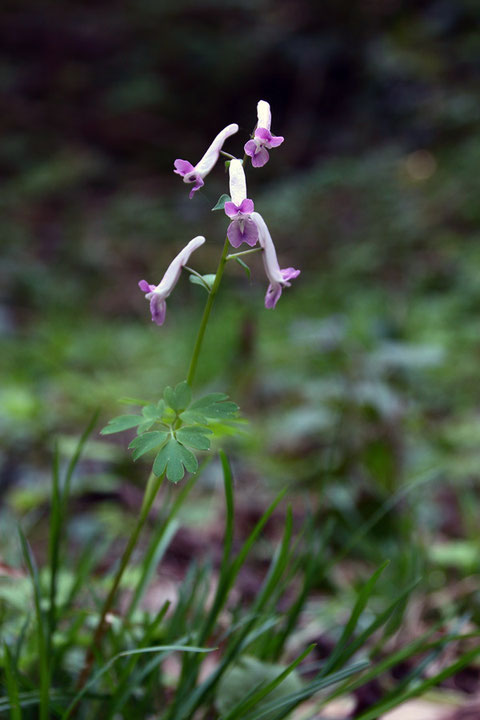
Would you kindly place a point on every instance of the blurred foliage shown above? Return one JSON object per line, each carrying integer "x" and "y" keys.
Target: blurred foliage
{"x": 374, "y": 196}
{"x": 362, "y": 386}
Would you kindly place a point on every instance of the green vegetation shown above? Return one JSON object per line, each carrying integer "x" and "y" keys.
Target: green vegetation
{"x": 345, "y": 565}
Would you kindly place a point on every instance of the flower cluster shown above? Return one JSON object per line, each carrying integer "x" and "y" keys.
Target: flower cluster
{"x": 246, "y": 225}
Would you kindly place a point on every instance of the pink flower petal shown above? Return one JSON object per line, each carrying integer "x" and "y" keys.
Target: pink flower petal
{"x": 263, "y": 134}
{"x": 158, "y": 308}
{"x": 145, "y": 286}
{"x": 246, "y": 206}
{"x": 275, "y": 141}
{"x": 274, "y": 292}
{"x": 198, "y": 184}
{"x": 250, "y": 148}
{"x": 260, "y": 158}
{"x": 182, "y": 167}
{"x": 231, "y": 210}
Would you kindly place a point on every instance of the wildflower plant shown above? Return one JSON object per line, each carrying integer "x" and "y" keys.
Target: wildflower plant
{"x": 118, "y": 669}
{"x": 177, "y": 426}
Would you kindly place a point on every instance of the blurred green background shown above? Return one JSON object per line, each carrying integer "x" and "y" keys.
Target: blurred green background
{"x": 365, "y": 378}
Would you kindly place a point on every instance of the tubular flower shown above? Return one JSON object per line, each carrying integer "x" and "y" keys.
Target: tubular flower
{"x": 239, "y": 209}
{"x": 278, "y": 278}
{"x": 157, "y": 294}
{"x": 195, "y": 174}
{"x": 263, "y": 140}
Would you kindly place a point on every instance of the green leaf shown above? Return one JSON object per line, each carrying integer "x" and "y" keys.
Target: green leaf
{"x": 183, "y": 396}
{"x": 179, "y": 398}
{"x": 127, "y": 400}
{"x": 150, "y": 412}
{"x": 289, "y": 702}
{"x": 245, "y": 267}
{"x": 193, "y": 417}
{"x": 209, "y": 399}
{"x": 205, "y": 281}
{"x": 194, "y": 436}
{"x": 363, "y": 597}
{"x": 221, "y": 201}
{"x": 215, "y": 405}
{"x": 144, "y": 426}
{"x": 250, "y": 681}
{"x": 165, "y": 649}
{"x": 388, "y": 703}
{"x": 42, "y": 647}
{"x": 11, "y": 682}
{"x": 148, "y": 441}
{"x": 120, "y": 423}
{"x": 174, "y": 459}
{"x": 169, "y": 395}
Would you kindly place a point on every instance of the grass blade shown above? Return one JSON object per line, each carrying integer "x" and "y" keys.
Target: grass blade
{"x": 12, "y": 684}
{"x": 43, "y": 658}
{"x": 59, "y": 504}
{"x": 227, "y": 579}
{"x": 190, "y": 699}
{"x": 164, "y": 649}
{"x": 381, "y": 707}
{"x": 74, "y": 460}
{"x": 127, "y": 682}
{"x": 54, "y": 545}
{"x": 248, "y": 704}
{"x": 158, "y": 546}
{"x": 288, "y": 703}
{"x": 349, "y": 629}
{"x": 379, "y": 621}
{"x": 230, "y": 508}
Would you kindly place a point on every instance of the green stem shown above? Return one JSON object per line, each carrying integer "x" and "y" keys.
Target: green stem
{"x": 206, "y": 314}
{"x": 153, "y": 486}
{"x": 244, "y": 252}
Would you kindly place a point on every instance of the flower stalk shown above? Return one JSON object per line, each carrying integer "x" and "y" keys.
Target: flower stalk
{"x": 206, "y": 315}
{"x": 246, "y": 226}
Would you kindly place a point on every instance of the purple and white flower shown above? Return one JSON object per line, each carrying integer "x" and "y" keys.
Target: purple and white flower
{"x": 263, "y": 140}
{"x": 278, "y": 278}
{"x": 157, "y": 294}
{"x": 242, "y": 228}
{"x": 195, "y": 174}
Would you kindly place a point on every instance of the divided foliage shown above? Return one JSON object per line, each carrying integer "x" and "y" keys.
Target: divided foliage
{"x": 182, "y": 425}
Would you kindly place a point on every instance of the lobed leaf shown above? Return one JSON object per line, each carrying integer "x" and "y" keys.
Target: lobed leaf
{"x": 120, "y": 423}
{"x": 150, "y": 412}
{"x": 174, "y": 459}
{"x": 148, "y": 441}
{"x": 193, "y": 417}
{"x": 194, "y": 436}
{"x": 179, "y": 398}
{"x": 169, "y": 396}
{"x": 183, "y": 396}
{"x": 214, "y": 405}
{"x": 145, "y": 426}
